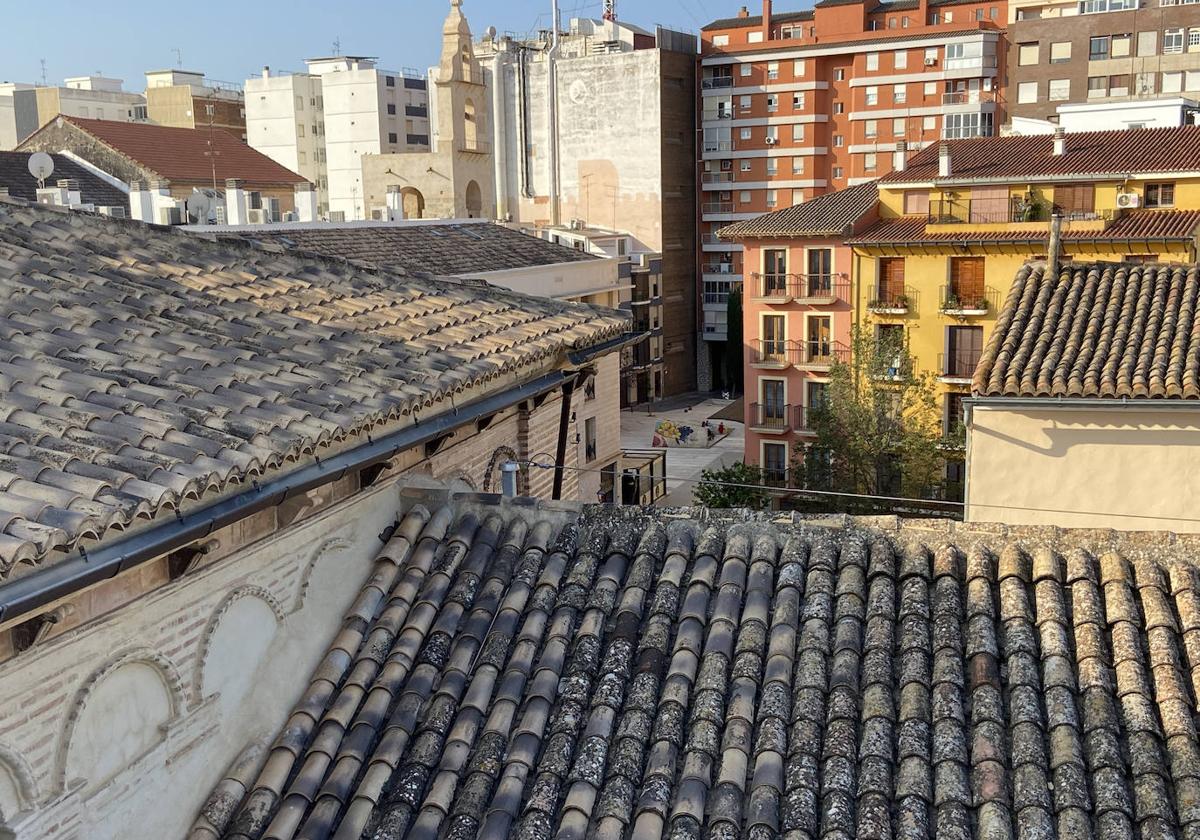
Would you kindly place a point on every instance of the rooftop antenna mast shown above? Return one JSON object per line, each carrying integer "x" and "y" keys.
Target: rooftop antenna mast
{"x": 610, "y": 10}
{"x": 337, "y": 45}
{"x": 178, "y": 57}
{"x": 43, "y": 63}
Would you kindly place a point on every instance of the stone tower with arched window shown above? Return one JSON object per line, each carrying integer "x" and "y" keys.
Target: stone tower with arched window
{"x": 456, "y": 179}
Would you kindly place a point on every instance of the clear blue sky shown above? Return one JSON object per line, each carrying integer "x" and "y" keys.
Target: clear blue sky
{"x": 232, "y": 39}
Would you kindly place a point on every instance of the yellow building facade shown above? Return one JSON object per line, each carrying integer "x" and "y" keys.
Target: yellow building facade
{"x": 960, "y": 219}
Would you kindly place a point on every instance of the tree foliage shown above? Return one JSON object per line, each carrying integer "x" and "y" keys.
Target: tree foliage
{"x": 734, "y": 369}
{"x": 720, "y": 496}
{"x": 878, "y": 429}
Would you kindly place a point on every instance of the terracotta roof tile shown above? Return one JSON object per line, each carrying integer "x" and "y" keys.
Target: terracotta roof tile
{"x": 1110, "y": 330}
{"x": 1131, "y": 226}
{"x": 830, "y": 214}
{"x": 141, "y": 368}
{"x": 180, "y": 154}
{"x": 614, "y": 673}
{"x": 1116, "y": 153}
{"x": 450, "y": 248}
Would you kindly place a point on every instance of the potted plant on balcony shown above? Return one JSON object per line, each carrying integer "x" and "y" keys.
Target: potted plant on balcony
{"x": 1029, "y": 209}
{"x": 901, "y": 302}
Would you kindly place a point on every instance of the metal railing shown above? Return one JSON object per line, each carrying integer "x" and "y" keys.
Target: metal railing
{"x": 718, "y": 177}
{"x": 968, "y": 97}
{"x": 892, "y": 300}
{"x": 478, "y": 147}
{"x": 775, "y": 477}
{"x": 712, "y": 239}
{"x": 716, "y": 82}
{"x": 771, "y": 351}
{"x": 718, "y": 114}
{"x": 956, "y": 211}
{"x": 416, "y": 111}
{"x": 820, "y": 352}
{"x": 718, "y": 268}
{"x": 802, "y": 287}
{"x": 717, "y": 207}
{"x": 960, "y": 364}
{"x": 418, "y": 139}
{"x": 954, "y": 298}
{"x": 718, "y": 145}
{"x": 800, "y": 419}
{"x": 773, "y": 416}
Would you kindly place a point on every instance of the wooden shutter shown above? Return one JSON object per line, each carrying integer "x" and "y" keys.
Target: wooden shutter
{"x": 1076, "y": 200}
{"x": 891, "y": 278}
{"x": 989, "y": 204}
{"x": 966, "y": 277}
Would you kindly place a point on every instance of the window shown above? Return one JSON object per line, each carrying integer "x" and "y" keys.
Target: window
{"x": 869, "y": 162}
{"x": 772, "y": 102}
{"x": 839, "y": 75}
{"x": 772, "y": 134}
{"x": 754, "y": 37}
{"x": 916, "y": 203}
{"x": 1120, "y": 45}
{"x": 948, "y": 17}
{"x": 1118, "y": 85}
{"x": 931, "y": 55}
{"x": 798, "y": 68}
{"x": 775, "y": 463}
{"x": 720, "y": 41}
{"x": 1191, "y": 80}
{"x": 1097, "y": 86}
{"x": 1027, "y": 54}
{"x": 967, "y": 125}
{"x": 1076, "y": 201}
{"x": 1160, "y": 195}
{"x": 1172, "y": 41}
{"x": 837, "y": 172}
{"x": 392, "y": 137}
{"x": 1172, "y": 82}
{"x": 1098, "y": 48}
{"x": 774, "y": 280}
{"x": 899, "y": 94}
{"x": 299, "y": 129}
{"x": 1060, "y": 52}
{"x": 1027, "y": 92}
{"x": 391, "y": 81}
{"x": 904, "y": 22}
{"x": 772, "y": 167}
{"x": 798, "y": 101}
{"x": 391, "y": 109}
{"x": 798, "y": 133}
{"x": 1059, "y": 90}
{"x": 979, "y": 14}
{"x": 745, "y": 164}
{"x": 773, "y": 70}
{"x": 899, "y": 127}
{"x": 930, "y": 89}
{"x": 772, "y": 396}
{"x": 772, "y": 198}
{"x": 797, "y": 166}
{"x": 953, "y": 419}
{"x": 928, "y": 123}
{"x": 1147, "y": 43}
{"x": 871, "y": 128}
{"x": 872, "y": 61}
{"x": 746, "y": 102}
{"x": 964, "y": 345}
{"x": 747, "y": 69}
{"x": 1091, "y": 7}
{"x": 1193, "y": 39}
{"x": 900, "y": 59}
{"x": 797, "y": 197}
{"x": 299, "y": 103}
{"x": 744, "y": 196}
{"x": 746, "y": 133}
{"x": 839, "y": 108}
{"x": 838, "y": 141}
{"x": 589, "y": 439}
{"x": 872, "y": 95}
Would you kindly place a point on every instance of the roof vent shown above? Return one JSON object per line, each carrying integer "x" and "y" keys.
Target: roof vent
{"x": 1060, "y": 141}
{"x": 944, "y": 168}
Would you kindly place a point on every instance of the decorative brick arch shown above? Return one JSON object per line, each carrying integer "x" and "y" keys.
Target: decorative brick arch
{"x": 24, "y": 783}
{"x": 214, "y": 621}
{"x": 160, "y": 664}
{"x": 327, "y": 547}
{"x": 491, "y": 476}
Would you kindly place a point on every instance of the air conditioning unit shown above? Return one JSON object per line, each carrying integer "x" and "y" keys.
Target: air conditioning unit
{"x": 256, "y": 216}
{"x": 1127, "y": 200}
{"x": 771, "y": 141}
{"x": 930, "y": 62}
{"x": 289, "y": 216}
{"x": 114, "y": 212}
{"x": 170, "y": 216}
{"x": 379, "y": 214}
{"x": 220, "y": 214}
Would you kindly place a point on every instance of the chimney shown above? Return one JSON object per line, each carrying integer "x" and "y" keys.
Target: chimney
{"x": 74, "y": 195}
{"x": 744, "y": 13}
{"x": 1060, "y": 141}
{"x": 306, "y": 202}
{"x": 266, "y": 72}
{"x": 900, "y": 157}
{"x": 141, "y": 202}
{"x": 235, "y": 202}
{"x": 1052, "y": 255}
{"x": 395, "y": 203}
{"x": 766, "y": 23}
{"x": 944, "y": 169}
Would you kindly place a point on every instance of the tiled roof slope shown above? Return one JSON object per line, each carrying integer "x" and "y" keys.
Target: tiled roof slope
{"x": 463, "y": 248}
{"x": 691, "y": 675}
{"x": 1097, "y": 330}
{"x": 143, "y": 368}
{"x": 1132, "y": 226}
{"x": 826, "y": 215}
{"x": 181, "y": 154}
{"x": 14, "y": 174}
{"x": 756, "y": 20}
{"x": 1175, "y": 149}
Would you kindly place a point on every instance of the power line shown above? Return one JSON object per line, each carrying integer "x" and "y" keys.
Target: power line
{"x": 838, "y": 494}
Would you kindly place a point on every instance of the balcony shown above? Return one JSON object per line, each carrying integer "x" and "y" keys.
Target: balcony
{"x": 646, "y": 290}
{"x": 772, "y": 354}
{"x": 716, "y": 83}
{"x": 718, "y": 114}
{"x": 718, "y": 145}
{"x": 819, "y": 354}
{"x": 800, "y": 420}
{"x": 959, "y": 367}
{"x": 716, "y": 207}
{"x": 968, "y": 97}
{"x": 724, "y": 268}
{"x": 416, "y": 111}
{"x": 811, "y": 289}
{"x": 969, "y": 62}
{"x": 718, "y": 178}
{"x": 984, "y": 211}
{"x": 417, "y": 139}
{"x": 896, "y": 369}
{"x": 770, "y": 418}
{"x": 642, "y": 356}
{"x": 967, "y": 303}
{"x": 475, "y": 147}
{"x": 888, "y": 302}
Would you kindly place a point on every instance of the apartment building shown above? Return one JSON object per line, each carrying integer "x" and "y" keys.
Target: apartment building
{"x": 18, "y": 114}
{"x": 186, "y": 99}
{"x": 594, "y": 127}
{"x": 1099, "y": 51}
{"x": 795, "y": 104}
{"x": 90, "y": 97}
{"x": 285, "y": 113}
{"x": 958, "y": 221}
{"x": 797, "y": 315}
{"x": 367, "y": 110}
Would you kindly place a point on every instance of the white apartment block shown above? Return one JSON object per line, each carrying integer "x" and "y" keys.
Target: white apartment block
{"x": 367, "y": 111}
{"x": 285, "y": 120}
{"x": 91, "y": 98}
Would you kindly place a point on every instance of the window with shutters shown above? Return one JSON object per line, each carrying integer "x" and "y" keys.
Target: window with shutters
{"x": 916, "y": 203}
{"x": 964, "y": 345}
{"x": 1060, "y": 52}
{"x": 966, "y": 289}
{"x": 891, "y": 283}
{"x": 1076, "y": 201}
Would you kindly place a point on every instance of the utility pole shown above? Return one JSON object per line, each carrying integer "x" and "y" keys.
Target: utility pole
{"x": 212, "y": 152}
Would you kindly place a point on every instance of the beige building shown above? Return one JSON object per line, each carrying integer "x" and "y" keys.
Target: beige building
{"x": 91, "y": 98}
{"x": 185, "y": 99}
{"x": 1084, "y": 409}
{"x": 456, "y": 179}
{"x": 204, "y": 530}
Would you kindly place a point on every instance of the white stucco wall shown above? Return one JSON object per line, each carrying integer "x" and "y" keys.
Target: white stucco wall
{"x": 272, "y": 118}
{"x": 561, "y": 281}
{"x": 1129, "y": 469}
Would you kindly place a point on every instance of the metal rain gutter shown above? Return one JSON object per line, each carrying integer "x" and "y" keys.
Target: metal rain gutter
{"x": 1084, "y": 403}
{"x": 84, "y": 568}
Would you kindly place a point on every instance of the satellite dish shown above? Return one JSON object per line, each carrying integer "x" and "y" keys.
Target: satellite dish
{"x": 490, "y": 33}
{"x": 200, "y": 206}
{"x": 41, "y": 165}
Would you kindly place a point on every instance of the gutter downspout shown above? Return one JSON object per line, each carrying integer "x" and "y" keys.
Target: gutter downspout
{"x": 523, "y": 121}
{"x": 500, "y": 135}
{"x": 1080, "y": 404}
{"x": 564, "y": 423}
{"x": 552, "y": 116}
{"x": 86, "y": 568}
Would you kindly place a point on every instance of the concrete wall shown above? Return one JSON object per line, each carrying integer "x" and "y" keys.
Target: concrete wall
{"x": 120, "y": 721}
{"x": 593, "y": 280}
{"x": 1129, "y": 469}
{"x": 273, "y": 112}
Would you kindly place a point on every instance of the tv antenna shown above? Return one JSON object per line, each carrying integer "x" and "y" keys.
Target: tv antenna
{"x": 178, "y": 57}
{"x": 41, "y": 165}
{"x": 43, "y": 63}
{"x": 610, "y": 9}
{"x": 337, "y": 45}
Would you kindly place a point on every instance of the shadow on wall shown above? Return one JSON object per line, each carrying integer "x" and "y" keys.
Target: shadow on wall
{"x": 1062, "y": 437}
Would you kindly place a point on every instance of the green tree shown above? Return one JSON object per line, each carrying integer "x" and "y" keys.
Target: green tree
{"x": 878, "y": 428}
{"x": 734, "y": 351}
{"x": 722, "y": 496}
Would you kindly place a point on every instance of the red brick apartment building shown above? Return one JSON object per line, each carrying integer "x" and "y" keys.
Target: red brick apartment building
{"x": 796, "y": 104}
